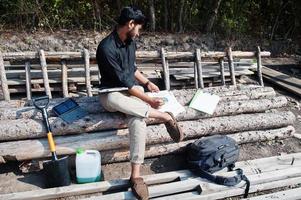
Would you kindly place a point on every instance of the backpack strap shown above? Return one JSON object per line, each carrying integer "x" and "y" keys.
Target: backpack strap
{"x": 227, "y": 181}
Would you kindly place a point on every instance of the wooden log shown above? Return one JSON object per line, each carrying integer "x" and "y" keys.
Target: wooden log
{"x": 87, "y": 72}
{"x": 28, "y": 80}
{"x": 259, "y": 67}
{"x": 231, "y": 66}
{"x": 3, "y": 80}
{"x": 111, "y": 143}
{"x": 199, "y": 69}
{"x": 228, "y": 105}
{"x": 45, "y": 74}
{"x": 16, "y": 103}
{"x": 139, "y": 54}
{"x": 32, "y": 128}
{"x": 153, "y": 179}
{"x": 64, "y": 75}
{"x": 118, "y": 155}
{"x": 196, "y": 79}
{"x": 165, "y": 69}
{"x": 222, "y": 70}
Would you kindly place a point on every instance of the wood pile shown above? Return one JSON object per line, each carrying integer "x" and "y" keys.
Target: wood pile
{"x": 76, "y": 73}
{"x": 264, "y": 174}
{"x": 246, "y": 112}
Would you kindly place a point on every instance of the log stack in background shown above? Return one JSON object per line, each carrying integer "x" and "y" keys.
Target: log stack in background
{"x": 23, "y": 74}
{"x": 247, "y": 113}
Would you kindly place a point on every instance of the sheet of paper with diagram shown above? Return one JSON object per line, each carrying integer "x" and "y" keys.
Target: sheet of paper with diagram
{"x": 170, "y": 102}
{"x": 204, "y": 102}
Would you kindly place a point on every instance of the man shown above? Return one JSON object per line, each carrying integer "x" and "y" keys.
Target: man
{"x": 116, "y": 60}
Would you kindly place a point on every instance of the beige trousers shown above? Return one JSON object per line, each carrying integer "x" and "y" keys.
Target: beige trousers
{"x": 136, "y": 110}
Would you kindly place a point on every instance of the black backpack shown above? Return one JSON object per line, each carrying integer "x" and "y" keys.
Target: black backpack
{"x": 210, "y": 154}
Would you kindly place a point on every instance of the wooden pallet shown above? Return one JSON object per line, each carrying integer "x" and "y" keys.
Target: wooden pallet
{"x": 264, "y": 174}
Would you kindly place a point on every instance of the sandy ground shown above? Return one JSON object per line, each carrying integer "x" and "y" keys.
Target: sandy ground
{"x": 13, "y": 180}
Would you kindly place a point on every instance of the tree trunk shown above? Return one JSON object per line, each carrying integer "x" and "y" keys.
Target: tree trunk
{"x": 180, "y": 19}
{"x": 152, "y": 15}
{"x": 113, "y": 146}
{"x": 97, "y": 15}
{"x": 212, "y": 15}
{"x": 166, "y": 15}
{"x": 28, "y": 128}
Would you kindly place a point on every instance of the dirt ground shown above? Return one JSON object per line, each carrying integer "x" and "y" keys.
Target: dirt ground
{"x": 13, "y": 180}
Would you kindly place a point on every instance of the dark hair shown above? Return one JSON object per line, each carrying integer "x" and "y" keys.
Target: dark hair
{"x": 131, "y": 13}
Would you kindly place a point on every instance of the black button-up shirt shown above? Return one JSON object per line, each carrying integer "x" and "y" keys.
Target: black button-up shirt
{"x": 116, "y": 62}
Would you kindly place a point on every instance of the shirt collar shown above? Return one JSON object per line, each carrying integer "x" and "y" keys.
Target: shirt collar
{"x": 118, "y": 41}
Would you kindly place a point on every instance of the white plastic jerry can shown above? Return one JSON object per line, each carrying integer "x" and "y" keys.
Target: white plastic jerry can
{"x": 88, "y": 166}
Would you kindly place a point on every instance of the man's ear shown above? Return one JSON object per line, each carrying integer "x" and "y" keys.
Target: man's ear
{"x": 131, "y": 24}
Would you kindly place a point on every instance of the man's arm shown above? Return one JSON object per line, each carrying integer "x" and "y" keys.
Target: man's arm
{"x": 154, "y": 102}
{"x": 144, "y": 81}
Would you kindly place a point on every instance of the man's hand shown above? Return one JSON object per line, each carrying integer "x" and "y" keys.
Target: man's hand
{"x": 156, "y": 102}
{"x": 152, "y": 87}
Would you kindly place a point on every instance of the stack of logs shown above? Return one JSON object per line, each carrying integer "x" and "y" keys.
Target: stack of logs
{"x": 247, "y": 113}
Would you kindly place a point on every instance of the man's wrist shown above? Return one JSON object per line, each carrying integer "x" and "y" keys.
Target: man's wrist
{"x": 148, "y": 82}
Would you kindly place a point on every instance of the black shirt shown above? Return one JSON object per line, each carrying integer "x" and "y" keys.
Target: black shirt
{"x": 116, "y": 62}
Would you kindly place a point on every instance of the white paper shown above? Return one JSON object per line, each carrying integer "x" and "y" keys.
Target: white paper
{"x": 170, "y": 102}
{"x": 204, "y": 102}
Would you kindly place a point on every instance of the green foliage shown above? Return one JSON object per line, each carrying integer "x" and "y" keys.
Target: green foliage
{"x": 266, "y": 18}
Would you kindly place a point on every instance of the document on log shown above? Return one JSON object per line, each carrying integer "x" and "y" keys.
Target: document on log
{"x": 170, "y": 102}
{"x": 204, "y": 102}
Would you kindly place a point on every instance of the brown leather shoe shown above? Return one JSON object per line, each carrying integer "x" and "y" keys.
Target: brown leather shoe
{"x": 174, "y": 129}
{"x": 139, "y": 188}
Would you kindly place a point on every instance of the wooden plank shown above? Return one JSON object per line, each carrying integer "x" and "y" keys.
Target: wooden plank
{"x": 234, "y": 191}
{"x": 231, "y": 66}
{"x": 45, "y": 74}
{"x": 207, "y": 187}
{"x": 292, "y": 194}
{"x": 285, "y": 81}
{"x": 87, "y": 72}
{"x": 3, "y": 80}
{"x": 212, "y": 74}
{"x": 165, "y": 69}
{"x": 64, "y": 75}
{"x": 259, "y": 66}
{"x": 250, "y": 166}
{"x": 199, "y": 69}
{"x": 28, "y": 80}
{"x": 80, "y": 189}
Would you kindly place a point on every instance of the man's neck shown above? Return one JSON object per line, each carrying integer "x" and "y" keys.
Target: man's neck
{"x": 121, "y": 34}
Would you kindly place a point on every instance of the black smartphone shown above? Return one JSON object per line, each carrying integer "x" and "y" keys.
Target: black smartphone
{"x": 64, "y": 107}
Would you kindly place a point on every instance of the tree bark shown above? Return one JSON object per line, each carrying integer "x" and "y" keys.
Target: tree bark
{"x": 118, "y": 155}
{"x": 28, "y": 128}
{"x": 166, "y": 15}
{"x": 152, "y": 15}
{"x": 113, "y": 147}
{"x": 94, "y": 107}
{"x": 212, "y": 15}
{"x": 222, "y": 91}
{"x": 180, "y": 19}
